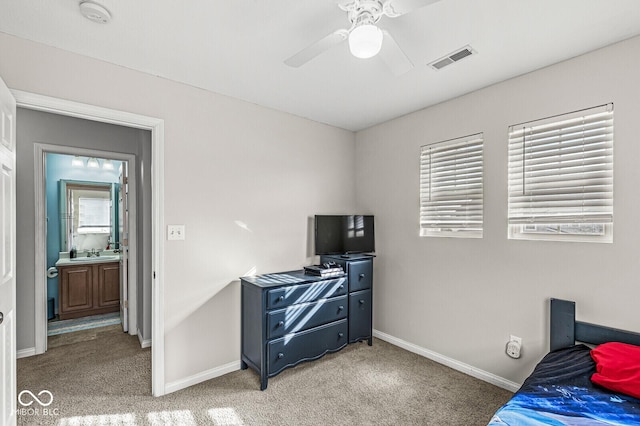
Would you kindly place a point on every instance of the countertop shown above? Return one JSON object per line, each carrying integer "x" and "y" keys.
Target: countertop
{"x": 106, "y": 256}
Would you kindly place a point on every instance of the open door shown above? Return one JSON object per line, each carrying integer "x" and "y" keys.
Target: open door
{"x": 7, "y": 256}
{"x": 123, "y": 220}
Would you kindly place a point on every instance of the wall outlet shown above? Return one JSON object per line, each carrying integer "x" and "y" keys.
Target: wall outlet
{"x": 175, "y": 232}
{"x": 514, "y": 346}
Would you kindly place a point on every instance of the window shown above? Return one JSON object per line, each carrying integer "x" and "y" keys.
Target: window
{"x": 561, "y": 177}
{"x": 94, "y": 215}
{"x": 451, "y": 188}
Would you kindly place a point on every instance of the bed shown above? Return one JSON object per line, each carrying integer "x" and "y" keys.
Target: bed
{"x": 560, "y": 391}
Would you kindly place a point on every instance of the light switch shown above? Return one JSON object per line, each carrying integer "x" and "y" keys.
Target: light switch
{"x": 175, "y": 232}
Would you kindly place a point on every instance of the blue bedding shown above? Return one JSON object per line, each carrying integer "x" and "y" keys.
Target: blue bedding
{"x": 560, "y": 392}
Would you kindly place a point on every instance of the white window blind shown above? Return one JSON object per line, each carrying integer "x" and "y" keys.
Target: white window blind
{"x": 94, "y": 215}
{"x": 561, "y": 169}
{"x": 451, "y": 194}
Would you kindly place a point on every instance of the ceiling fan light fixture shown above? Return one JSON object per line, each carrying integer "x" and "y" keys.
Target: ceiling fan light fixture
{"x": 365, "y": 41}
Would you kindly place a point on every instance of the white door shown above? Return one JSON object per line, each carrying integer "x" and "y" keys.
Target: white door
{"x": 7, "y": 257}
{"x": 123, "y": 218}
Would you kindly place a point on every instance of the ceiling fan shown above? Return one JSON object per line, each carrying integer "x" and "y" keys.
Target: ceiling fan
{"x": 365, "y": 38}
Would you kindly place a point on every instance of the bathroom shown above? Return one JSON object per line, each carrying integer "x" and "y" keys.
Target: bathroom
{"x": 83, "y": 240}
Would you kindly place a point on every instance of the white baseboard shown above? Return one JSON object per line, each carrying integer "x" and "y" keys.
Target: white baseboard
{"x": 23, "y": 353}
{"x": 144, "y": 343}
{"x": 201, "y": 377}
{"x": 449, "y": 362}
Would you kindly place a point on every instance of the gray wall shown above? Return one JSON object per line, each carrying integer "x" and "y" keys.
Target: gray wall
{"x": 41, "y": 127}
{"x": 242, "y": 178}
{"x": 462, "y": 298}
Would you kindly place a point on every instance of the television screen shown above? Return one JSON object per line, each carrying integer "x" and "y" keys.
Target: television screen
{"x": 344, "y": 234}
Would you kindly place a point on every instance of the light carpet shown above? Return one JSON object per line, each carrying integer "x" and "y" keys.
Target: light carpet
{"x": 106, "y": 380}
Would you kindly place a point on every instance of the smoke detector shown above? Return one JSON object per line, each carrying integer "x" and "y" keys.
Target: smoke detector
{"x": 95, "y": 12}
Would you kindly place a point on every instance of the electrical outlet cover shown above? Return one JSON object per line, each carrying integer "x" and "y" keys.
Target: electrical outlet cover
{"x": 513, "y": 349}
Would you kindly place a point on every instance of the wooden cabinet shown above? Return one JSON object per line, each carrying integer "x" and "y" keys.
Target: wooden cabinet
{"x": 89, "y": 289}
{"x": 291, "y": 317}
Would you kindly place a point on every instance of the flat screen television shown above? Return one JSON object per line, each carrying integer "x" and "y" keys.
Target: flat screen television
{"x": 344, "y": 234}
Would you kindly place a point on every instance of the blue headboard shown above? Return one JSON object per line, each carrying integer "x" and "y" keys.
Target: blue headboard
{"x": 565, "y": 331}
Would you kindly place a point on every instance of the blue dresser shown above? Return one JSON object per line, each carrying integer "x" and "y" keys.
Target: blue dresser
{"x": 291, "y": 317}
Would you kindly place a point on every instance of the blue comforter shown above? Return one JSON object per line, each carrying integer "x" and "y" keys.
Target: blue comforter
{"x": 560, "y": 392}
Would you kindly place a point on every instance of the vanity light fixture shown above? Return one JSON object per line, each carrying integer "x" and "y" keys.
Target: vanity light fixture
{"x": 107, "y": 164}
{"x": 77, "y": 162}
{"x": 93, "y": 163}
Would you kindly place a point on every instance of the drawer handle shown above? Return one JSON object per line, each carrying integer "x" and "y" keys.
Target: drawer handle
{"x": 281, "y": 298}
{"x": 281, "y": 323}
{"x": 280, "y": 355}
{"x": 361, "y": 301}
{"x": 340, "y": 308}
{"x": 341, "y": 287}
{"x": 340, "y": 335}
{"x": 361, "y": 276}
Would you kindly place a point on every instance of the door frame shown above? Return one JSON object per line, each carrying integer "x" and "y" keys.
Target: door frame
{"x": 41, "y": 233}
{"x": 156, "y": 126}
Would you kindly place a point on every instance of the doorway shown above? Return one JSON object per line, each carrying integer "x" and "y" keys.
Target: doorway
{"x": 156, "y": 127}
{"x": 91, "y": 256}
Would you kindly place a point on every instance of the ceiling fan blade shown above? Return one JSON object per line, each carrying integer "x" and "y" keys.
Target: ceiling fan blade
{"x": 392, "y": 55}
{"x": 320, "y": 46}
{"x": 394, "y": 8}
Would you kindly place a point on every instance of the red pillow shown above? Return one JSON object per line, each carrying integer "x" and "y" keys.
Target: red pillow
{"x": 617, "y": 367}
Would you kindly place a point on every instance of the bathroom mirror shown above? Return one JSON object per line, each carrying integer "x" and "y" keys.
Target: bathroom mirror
{"x": 88, "y": 214}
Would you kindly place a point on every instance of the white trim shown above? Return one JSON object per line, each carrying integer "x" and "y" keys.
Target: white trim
{"x": 144, "y": 343}
{"x": 449, "y": 362}
{"x": 88, "y": 112}
{"x": 40, "y": 255}
{"x": 24, "y": 353}
{"x": 156, "y": 126}
{"x": 203, "y": 376}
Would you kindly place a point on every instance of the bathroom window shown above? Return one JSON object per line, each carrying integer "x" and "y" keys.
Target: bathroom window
{"x": 94, "y": 215}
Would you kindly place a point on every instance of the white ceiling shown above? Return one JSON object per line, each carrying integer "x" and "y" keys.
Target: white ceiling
{"x": 237, "y": 47}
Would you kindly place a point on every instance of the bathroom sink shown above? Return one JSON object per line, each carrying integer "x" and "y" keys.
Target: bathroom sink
{"x": 94, "y": 258}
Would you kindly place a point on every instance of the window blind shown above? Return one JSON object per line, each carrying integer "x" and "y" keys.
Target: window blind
{"x": 561, "y": 169}
{"x": 451, "y": 194}
{"x": 94, "y": 212}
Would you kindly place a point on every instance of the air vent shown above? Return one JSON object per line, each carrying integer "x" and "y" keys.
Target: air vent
{"x": 451, "y": 58}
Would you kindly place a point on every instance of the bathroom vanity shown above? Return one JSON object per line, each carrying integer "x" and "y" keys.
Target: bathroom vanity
{"x": 88, "y": 286}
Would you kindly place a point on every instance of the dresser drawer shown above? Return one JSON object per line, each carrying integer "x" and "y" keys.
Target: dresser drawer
{"x": 360, "y": 273}
{"x": 282, "y": 297}
{"x": 292, "y": 349}
{"x": 360, "y": 308}
{"x": 306, "y": 315}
